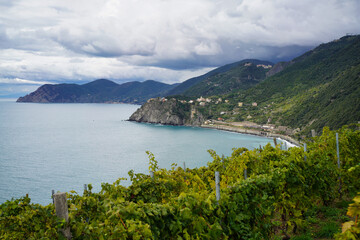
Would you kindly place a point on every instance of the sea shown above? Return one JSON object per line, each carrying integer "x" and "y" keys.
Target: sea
{"x": 61, "y": 147}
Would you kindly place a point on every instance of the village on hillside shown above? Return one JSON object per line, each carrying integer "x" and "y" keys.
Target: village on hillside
{"x": 224, "y": 122}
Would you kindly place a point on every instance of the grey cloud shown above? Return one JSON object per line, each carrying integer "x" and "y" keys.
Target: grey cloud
{"x": 6, "y": 3}
{"x": 3, "y": 38}
{"x": 231, "y": 52}
{"x": 162, "y": 40}
{"x": 97, "y": 43}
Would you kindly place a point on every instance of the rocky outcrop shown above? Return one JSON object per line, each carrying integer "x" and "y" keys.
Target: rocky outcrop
{"x": 167, "y": 112}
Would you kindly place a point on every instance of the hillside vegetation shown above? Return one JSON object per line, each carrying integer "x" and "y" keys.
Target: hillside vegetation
{"x": 320, "y": 88}
{"x": 286, "y": 195}
{"x": 245, "y": 75}
{"x": 224, "y": 80}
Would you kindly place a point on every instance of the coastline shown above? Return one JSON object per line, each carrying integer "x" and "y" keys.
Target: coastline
{"x": 289, "y": 141}
{"x": 252, "y": 132}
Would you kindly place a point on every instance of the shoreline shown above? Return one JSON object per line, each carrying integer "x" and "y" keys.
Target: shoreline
{"x": 252, "y": 132}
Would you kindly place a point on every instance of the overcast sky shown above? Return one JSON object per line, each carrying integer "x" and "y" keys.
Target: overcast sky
{"x": 52, "y": 41}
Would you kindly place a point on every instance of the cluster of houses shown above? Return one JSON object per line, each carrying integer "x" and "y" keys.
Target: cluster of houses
{"x": 264, "y": 66}
{"x": 258, "y": 65}
{"x": 203, "y": 101}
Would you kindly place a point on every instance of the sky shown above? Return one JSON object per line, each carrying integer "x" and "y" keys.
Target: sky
{"x": 67, "y": 41}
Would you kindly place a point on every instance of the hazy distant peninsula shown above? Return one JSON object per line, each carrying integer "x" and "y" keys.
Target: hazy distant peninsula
{"x": 98, "y": 91}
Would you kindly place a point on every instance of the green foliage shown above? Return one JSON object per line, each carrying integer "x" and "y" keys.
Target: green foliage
{"x": 19, "y": 219}
{"x": 284, "y": 195}
{"x": 328, "y": 230}
{"x": 302, "y": 237}
{"x": 351, "y": 229}
{"x": 153, "y": 164}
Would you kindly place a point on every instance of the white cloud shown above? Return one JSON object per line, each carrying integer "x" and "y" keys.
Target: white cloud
{"x": 168, "y": 40}
{"x": 80, "y": 68}
{"x": 22, "y": 81}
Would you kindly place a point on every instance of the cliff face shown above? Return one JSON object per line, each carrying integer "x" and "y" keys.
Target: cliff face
{"x": 167, "y": 112}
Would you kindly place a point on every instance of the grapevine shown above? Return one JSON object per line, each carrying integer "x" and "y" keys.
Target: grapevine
{"x": 273, "y": 200}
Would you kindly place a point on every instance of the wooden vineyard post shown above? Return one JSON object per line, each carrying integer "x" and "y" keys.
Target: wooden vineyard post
{"x": 217, "y": 186}
{"x": 305, "y": 151}
{"x": 52, "y": 195}
{"x": 61, "y": 209}
{"x": 245, "y": 173}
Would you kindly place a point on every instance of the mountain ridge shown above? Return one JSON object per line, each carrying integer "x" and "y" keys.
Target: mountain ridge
{"x": 98, "y": 91}
{"x": 229, "y": 77}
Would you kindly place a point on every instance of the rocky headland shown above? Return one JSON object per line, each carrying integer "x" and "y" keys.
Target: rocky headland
{"x": 167, "y": 112}
{"x": 174, "y": 112}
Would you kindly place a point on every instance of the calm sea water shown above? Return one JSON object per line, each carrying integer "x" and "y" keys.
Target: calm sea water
{"x": 64, "y": 146}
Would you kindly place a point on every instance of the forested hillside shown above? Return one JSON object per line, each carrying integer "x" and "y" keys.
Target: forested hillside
{"x": 226, "y": 79}
{"x": 241, "y": 77}
{"x": 320, "y": 88}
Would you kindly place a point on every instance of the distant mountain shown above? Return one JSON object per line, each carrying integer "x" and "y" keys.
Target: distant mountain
{"x": 226, "y": 79}
{"x": 98, "y": 91}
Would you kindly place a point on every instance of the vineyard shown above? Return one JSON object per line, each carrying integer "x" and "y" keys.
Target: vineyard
{"x": 266, "y": 193}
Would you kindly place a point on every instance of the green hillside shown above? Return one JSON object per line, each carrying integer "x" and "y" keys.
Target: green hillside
{"x": 225, "y": 79}
{"x": 320, "y": 88}
{"x": 244, "y": 75}
{"x": 316, "y": 67}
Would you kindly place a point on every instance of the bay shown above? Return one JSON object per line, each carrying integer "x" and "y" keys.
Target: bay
{"x": 64, "y": 146}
